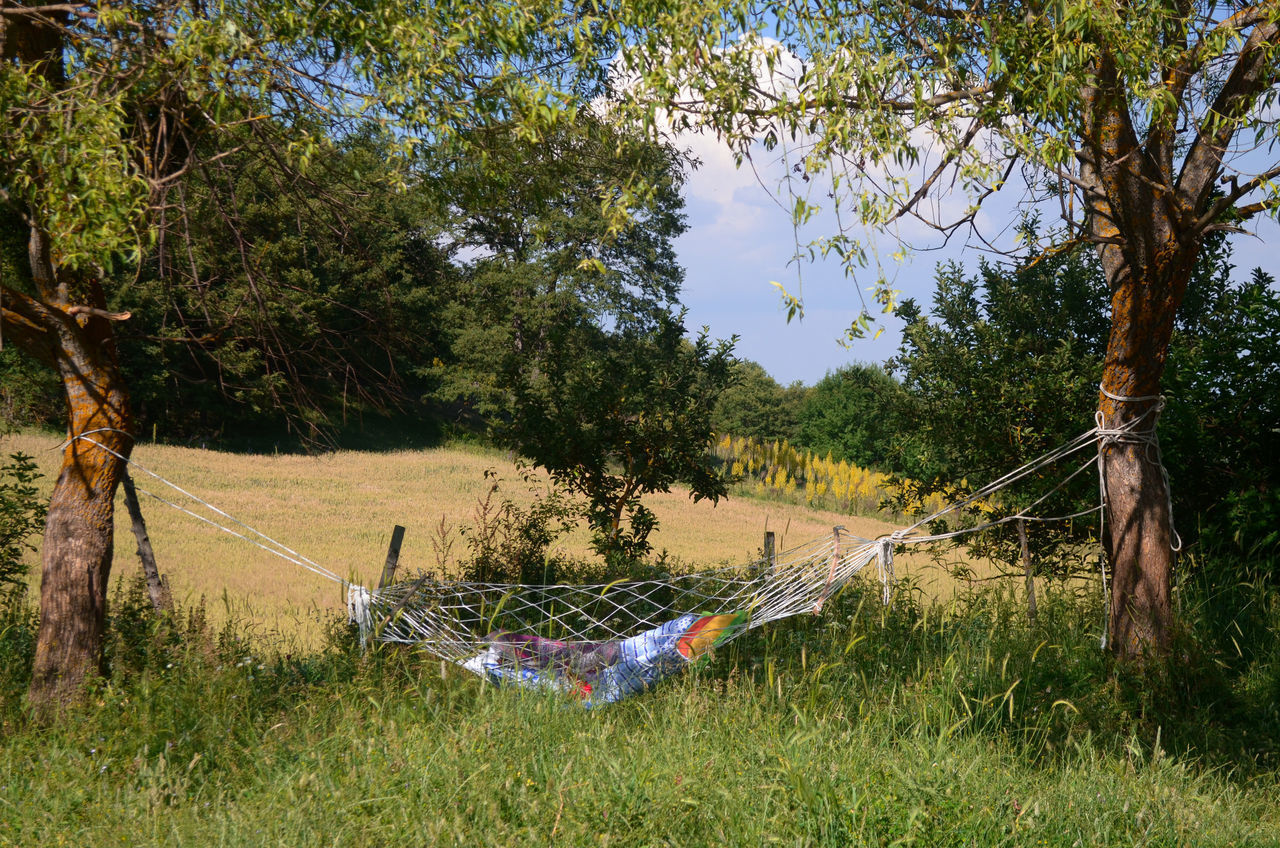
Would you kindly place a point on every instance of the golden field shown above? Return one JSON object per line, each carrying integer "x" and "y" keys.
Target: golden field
{"x": 338, "y": 510}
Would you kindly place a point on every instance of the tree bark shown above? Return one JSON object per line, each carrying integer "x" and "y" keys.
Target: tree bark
{"x": 77, "y": 552}
{"x": 1140, "y": 540}
{"x": 1145, "y": 227}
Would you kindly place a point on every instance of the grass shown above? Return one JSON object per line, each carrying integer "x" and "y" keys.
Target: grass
{"x": 929, "y": 723}
{"x": 338, "y": 509}
{"x": 913, "y": 725}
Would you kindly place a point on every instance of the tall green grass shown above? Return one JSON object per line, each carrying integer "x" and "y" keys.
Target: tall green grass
{"x": 963, "y": 725}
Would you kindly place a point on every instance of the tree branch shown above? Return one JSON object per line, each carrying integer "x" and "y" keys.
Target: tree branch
{"x": 1248, "y": 17}
{"x": 927, "y": 185}
{"x": 52, "y": 9}
{"x": 29, "y": 323}
{"x": 1245, "y": 84}
{"x": 99, "y": 313}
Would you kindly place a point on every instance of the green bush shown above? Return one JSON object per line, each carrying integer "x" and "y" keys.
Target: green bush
{"x": 509, "y": 543}
{"x": 22, "y": 514}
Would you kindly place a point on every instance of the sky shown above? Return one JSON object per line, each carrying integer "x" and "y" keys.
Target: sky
{"x": 740, "y": 240}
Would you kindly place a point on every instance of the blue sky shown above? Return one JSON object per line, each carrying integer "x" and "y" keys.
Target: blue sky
{"x": 740, "y": 239}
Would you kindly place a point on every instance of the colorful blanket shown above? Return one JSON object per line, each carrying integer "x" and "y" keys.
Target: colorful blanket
{"x": 603, "y": 672}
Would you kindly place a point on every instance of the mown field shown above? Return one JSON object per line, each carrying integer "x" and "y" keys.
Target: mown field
{"x": 338, "y": 509}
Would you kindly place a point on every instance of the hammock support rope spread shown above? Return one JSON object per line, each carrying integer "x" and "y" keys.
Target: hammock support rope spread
{"x": 604, "y": 642}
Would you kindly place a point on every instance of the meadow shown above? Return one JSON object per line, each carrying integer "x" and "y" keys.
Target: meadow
{"x": 946, "y": 719}
{"x": 338, "y": 509}
{"x": 865, "y": 726}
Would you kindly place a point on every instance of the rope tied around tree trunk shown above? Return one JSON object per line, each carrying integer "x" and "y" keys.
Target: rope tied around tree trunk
{"x": 1134, "y": 432}
{"x": 1139, "y": 430}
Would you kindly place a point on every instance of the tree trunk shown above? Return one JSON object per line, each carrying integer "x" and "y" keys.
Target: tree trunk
{"x": 161, "y": 600}
{"x": 66, "y": 325}
{"x": 78, "y": 532}
{"x": 1140, "y": 538}
{"x": 1148, "y": 242}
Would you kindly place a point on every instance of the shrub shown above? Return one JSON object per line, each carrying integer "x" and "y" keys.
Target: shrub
{"x": 22, "y": 514}
{"x": 509, "y": 543}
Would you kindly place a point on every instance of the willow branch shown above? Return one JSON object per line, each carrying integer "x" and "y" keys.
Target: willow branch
{"x": 30, "y": 324}
{"x": 1246, "y": 83}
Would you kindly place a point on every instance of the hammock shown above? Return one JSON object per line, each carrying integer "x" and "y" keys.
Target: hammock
{"x": 606, "y": 641}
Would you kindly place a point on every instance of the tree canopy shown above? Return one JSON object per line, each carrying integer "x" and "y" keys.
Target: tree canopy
{"x": 1005, "y": 364}
{"x": 564, "y": 335}
{"x": 281, "y": 302}
{"x": 1148, "y": 126}
{"x": 106, "y": 108}
{"x": 756, "y": 406}
{"x": 854, "y": 414}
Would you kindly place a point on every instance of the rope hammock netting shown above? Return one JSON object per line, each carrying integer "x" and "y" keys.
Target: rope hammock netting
{"x": 603, "y": 642}
{"x": 608, "y": 640}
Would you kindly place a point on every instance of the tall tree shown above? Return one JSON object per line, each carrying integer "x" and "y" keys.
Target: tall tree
{"x": 565, "y": 335}
{"x": 614, "y": 416}
{"x": 1148, "y": 124}
{"x": 106, "y": 106}
{"x": 284, "y": 304}
{"x": 853, "y": 414}
{"x": 546, "y": 253}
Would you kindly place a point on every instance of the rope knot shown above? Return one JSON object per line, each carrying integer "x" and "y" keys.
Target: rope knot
{"x": 1139, "y": 430}
{"x": 359, "y": 602}
{"x": 885, "y": 563}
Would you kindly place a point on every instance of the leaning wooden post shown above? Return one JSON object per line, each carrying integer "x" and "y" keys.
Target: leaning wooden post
{"x": 159, "y": 591}
{"x": 1026, "y": 567}
{"x": 769, "y": 548}
{"x": 393, "y": 558}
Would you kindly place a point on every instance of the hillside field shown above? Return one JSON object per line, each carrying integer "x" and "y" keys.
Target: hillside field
{"x": 338, "y": 509}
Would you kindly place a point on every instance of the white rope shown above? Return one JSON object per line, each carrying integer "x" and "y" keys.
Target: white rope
{"x": 1085, "y": 439}
{"x": 301, "y": 562}
{"x": 446, "y": 617}
{"x": 835, "y": 561}
{"x": 1128, "y": 432}
{"x": 1021, "y": 515}
{"x": 359, "y": 611}
{"x": 273, "y": 547}
{"x": 885, "y": 563}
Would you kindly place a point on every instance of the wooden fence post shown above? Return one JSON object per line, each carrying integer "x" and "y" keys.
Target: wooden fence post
{"x": 769, "y": 552}
{"x": 1026, "y": 567}
{"x": 393, "y": 558}
{"x": 158, "y": 589}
